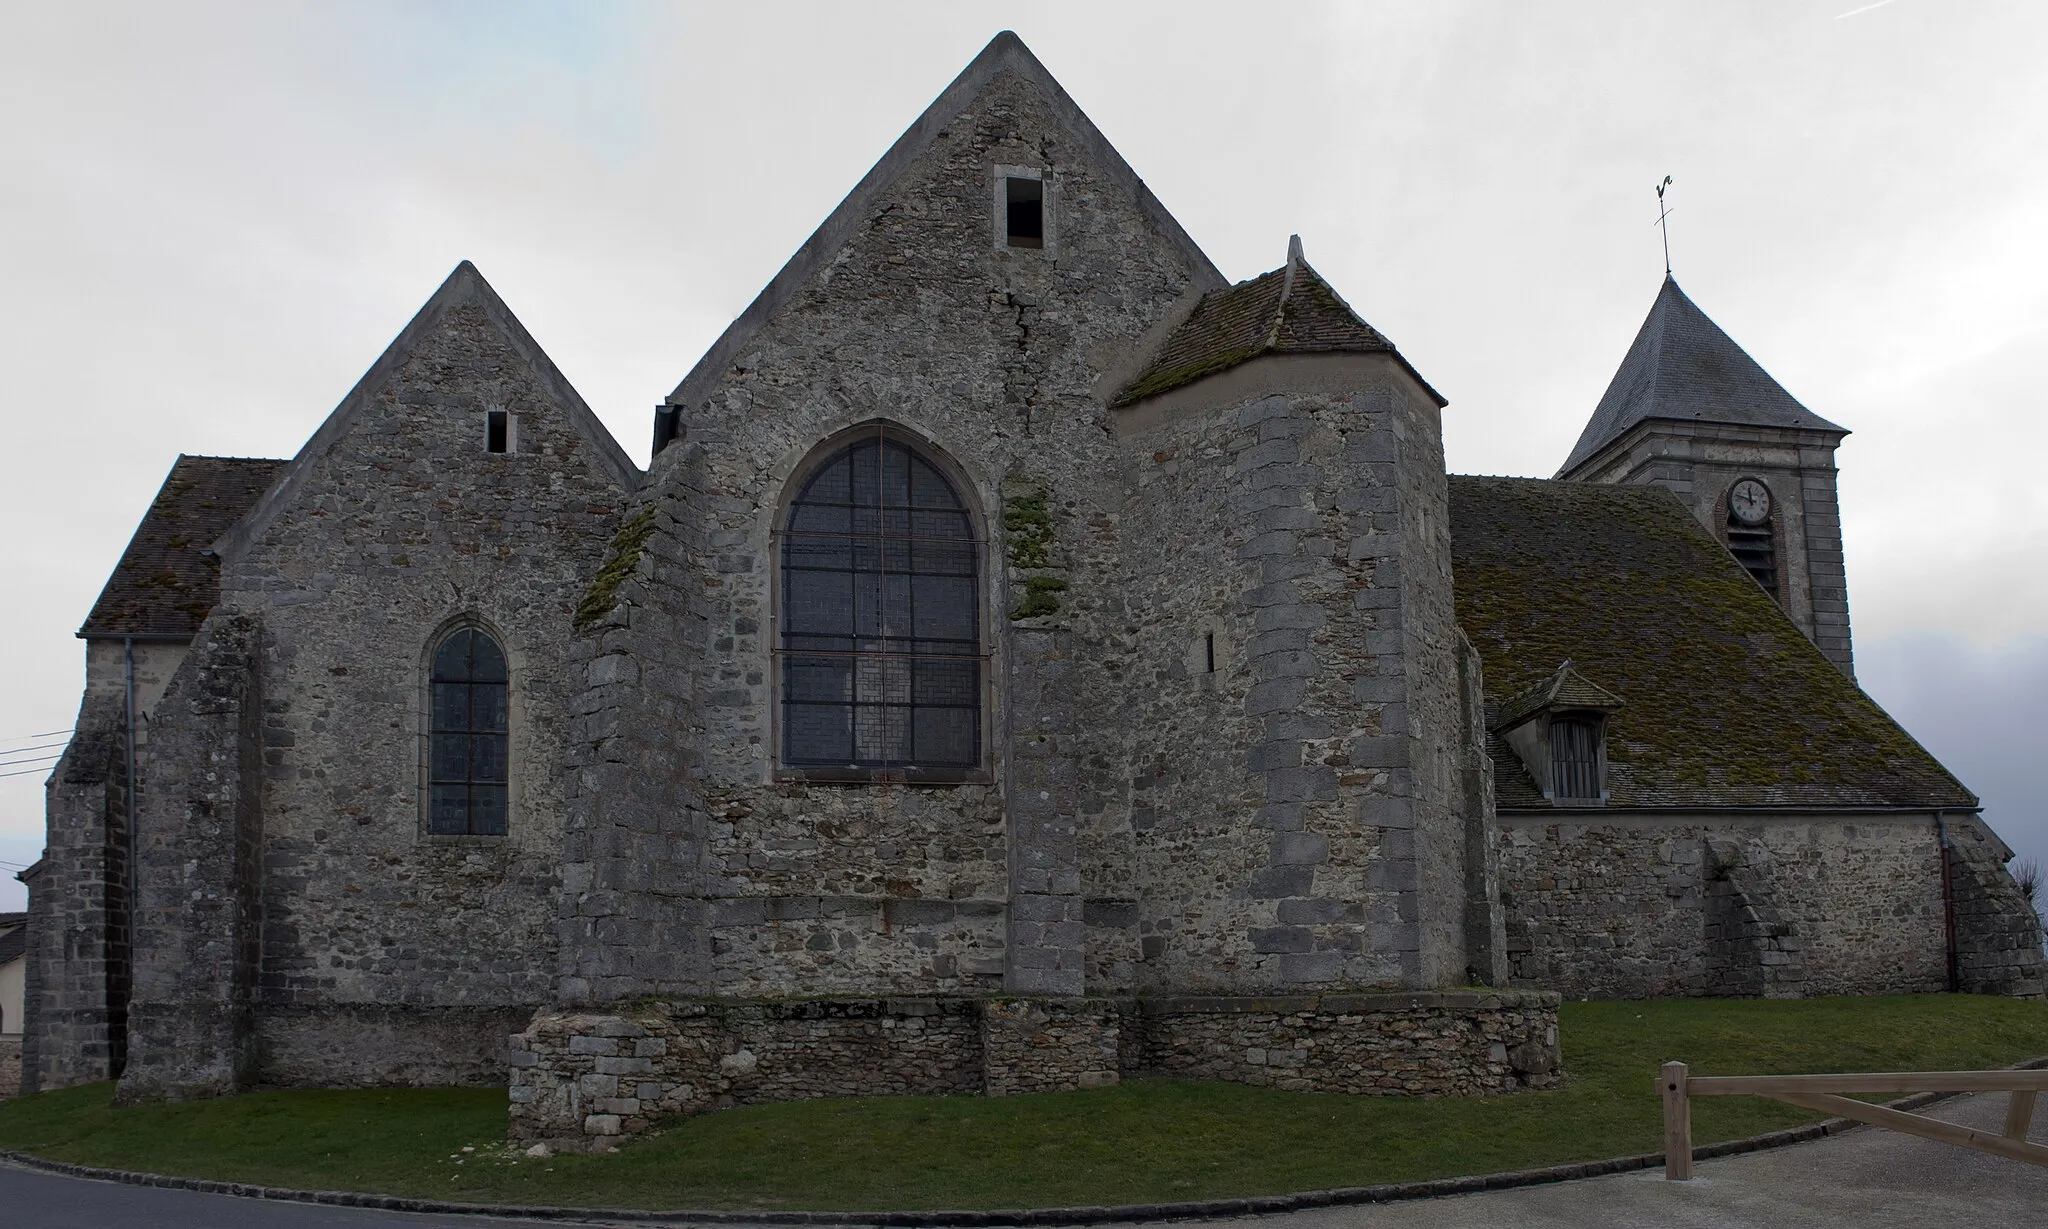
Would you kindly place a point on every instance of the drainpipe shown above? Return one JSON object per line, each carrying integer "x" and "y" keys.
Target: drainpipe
{"x": 1948, "y": 905}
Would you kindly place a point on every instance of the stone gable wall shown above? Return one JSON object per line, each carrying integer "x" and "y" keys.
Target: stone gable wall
{"x": 991, "y": 357}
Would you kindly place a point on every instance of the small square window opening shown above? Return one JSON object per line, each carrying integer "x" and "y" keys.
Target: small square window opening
{"x": 497, "y": 431}
{"x": 1025, "y": 199}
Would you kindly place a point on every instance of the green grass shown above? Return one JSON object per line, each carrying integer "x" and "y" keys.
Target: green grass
{"x": 1147, "y": 1140}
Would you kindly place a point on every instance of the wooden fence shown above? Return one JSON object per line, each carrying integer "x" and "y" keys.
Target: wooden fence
{"x": 1826, "y": 1093}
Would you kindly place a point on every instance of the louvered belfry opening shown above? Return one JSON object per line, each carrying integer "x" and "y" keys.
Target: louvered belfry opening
{"x": 467, "y": 778}
{"x": 881, "y": 622}
{"x": 1574, "y": 758}
{"x": 1755, "y": 549}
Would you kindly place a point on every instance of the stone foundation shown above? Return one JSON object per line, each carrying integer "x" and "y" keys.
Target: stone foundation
{"x": 10, "y": 1065}
{"x": 581, "y": 1077}
{"x": 1456, "y": 1043}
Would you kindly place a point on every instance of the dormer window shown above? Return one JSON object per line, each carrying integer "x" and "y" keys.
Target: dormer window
{"x": 1575, "y": 758}
{"x": 1558, "y": 730}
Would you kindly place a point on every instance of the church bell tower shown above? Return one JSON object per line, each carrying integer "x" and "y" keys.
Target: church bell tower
{"x": 1689, "y": 410}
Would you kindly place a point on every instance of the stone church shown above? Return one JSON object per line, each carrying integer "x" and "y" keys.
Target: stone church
{"x": 1028, "y": 659}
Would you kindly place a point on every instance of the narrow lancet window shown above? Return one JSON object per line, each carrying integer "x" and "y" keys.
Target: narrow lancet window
{"x": 881, "y": 625}
{"x": 467, "y": 752}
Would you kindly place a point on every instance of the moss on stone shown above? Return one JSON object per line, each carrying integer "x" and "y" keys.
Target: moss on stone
{"x": 1028, "y": 528}
{"x": 622, "y": 559}
{"x": 1038, "y": 597}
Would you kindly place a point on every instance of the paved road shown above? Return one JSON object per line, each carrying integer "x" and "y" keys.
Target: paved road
{"x": 1867, "y": 1179}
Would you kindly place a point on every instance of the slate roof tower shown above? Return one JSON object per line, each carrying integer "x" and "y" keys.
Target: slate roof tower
{"x": 1691, "y": 411}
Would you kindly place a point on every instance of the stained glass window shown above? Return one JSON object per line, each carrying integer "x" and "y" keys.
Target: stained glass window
{"x": 881, "y": 625}
{"x": 467, "y": 753}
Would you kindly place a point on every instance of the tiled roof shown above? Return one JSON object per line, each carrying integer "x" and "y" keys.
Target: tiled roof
{"x": 1727, "y": 704}
{"x": 166, "y": 582}
{"x": 13, "y": 943}
{"x": 1291, "y": 310}
{"x": 1566, "y": 688}
{"x": 1682, "y": 366}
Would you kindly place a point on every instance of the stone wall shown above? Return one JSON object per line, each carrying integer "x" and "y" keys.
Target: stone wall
{"x": 1455, "y": 1043}
{"x": 581, "y": 1078}
{"x": 1638, "y": 906}
{"x": 1998, "y": 933}
{"x": 369, "y": 1045}
{"x": 10, "y": 1065}
{"x": 1300, "y": 811}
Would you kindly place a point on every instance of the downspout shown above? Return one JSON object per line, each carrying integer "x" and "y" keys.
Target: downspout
{"x": 1948, "y": 905}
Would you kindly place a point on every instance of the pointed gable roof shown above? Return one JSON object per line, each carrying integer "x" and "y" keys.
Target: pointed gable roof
{"x": 1566, "y": 688}
{"x": 1005, "y": 53}
{"x": 1682, "y": 366}
{"x": 167, "y": 580}
{"x": 1291, "y": 310}
{"x": 464, "y": 285}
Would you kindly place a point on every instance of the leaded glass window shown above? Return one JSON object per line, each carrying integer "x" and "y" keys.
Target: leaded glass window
{"x": 467, "y": 746}
{"x": 881, "y": 624}
{"x": 1574, "y": 759}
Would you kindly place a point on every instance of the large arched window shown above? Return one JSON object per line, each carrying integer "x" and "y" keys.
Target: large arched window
{"x": 467, "y": 758}
{"x": 881, "y": 627}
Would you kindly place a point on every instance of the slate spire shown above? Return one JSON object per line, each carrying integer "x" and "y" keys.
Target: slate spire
{"x": 1683, "y": 367}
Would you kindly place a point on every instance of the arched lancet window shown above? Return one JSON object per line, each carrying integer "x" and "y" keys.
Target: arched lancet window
{"x": 467, "y": 756}
{"x": 881, "y": 626}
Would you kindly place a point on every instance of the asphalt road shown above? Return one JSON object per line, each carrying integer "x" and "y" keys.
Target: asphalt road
{"x": 1867, "y": 1179}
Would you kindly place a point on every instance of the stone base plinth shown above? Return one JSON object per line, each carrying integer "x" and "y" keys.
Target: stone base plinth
{"x": 10, "y": 1065}
{"x": 581, "y": 1078}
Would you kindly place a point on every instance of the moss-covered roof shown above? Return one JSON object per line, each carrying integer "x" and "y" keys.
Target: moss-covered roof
{"x": 1726, "y": 703}
{"x": 1291, "y": 310}
{"x": 1565, "y": 689}
{"x": 166, "y": 582}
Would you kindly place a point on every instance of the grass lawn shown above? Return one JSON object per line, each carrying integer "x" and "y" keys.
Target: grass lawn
{"x": 1144, "y": 1141}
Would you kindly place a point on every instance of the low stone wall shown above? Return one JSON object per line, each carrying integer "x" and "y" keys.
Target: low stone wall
{"x": 580, "y": 1078}
{"x": 1457, "y": 1043}
{"x": 1049, "y": 1045}
{"x": 10, "y": 1065}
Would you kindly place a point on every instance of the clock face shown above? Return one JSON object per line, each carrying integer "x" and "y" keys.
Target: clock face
{"x": 1749, "y": 502}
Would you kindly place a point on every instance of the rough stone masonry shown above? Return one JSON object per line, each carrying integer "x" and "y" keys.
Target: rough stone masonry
{"x": 1028, "y": 661}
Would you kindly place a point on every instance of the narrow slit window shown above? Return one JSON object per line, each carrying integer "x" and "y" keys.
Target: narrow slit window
{"x": 1025, "y": 199}
{"x": 1209, "y": 650}
{"x": 497, "y": 431}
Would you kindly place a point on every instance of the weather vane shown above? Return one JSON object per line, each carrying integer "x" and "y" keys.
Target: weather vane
{"x": 1663, "y": 213}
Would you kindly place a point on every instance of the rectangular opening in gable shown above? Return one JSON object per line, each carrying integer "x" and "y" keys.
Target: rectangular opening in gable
{"x": 1026, "y": 202}
{"x": 497, "y": 431}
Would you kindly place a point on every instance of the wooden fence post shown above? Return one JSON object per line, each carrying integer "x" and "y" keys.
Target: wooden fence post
{"x": 1677, "y": 1123}
{"x": 2019, "y": 1115}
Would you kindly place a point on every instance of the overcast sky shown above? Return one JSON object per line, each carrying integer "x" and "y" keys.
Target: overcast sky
{"x": 213, "y": 219}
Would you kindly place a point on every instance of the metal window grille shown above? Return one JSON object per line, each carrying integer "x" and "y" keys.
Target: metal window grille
{"x": 468, "y": 758}
{"x": 1574, "y": 758}
{"x": 881, "y": 622}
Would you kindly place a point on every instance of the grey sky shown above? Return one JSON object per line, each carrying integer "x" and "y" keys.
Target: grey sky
{"x": 213, "y": 218}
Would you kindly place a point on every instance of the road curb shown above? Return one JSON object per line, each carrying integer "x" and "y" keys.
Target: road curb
{"x": 1203, "y": 1209}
